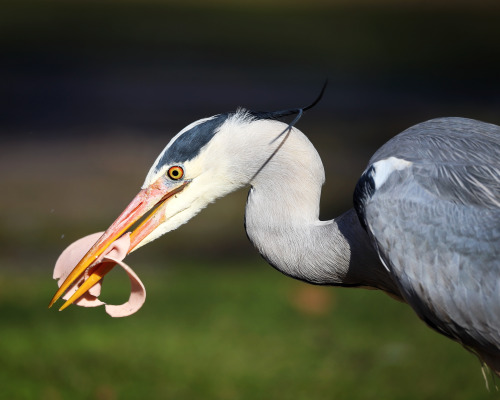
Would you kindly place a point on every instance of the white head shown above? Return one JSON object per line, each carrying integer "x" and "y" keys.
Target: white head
{"x": 207, "y": 160}
{"x": 214, "y": 157}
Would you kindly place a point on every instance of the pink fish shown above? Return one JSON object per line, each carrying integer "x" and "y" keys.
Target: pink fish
{"x": 114, "y": 254}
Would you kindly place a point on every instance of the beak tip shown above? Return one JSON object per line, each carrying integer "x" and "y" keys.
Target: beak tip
{"x": 65, "y": 305}
{"x": 55, "y": 298}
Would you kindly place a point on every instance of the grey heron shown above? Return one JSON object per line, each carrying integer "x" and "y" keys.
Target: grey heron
{"x": 425, "y": 226}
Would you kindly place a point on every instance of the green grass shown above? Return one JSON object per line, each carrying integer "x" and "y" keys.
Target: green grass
{"x": 226, "y": 332}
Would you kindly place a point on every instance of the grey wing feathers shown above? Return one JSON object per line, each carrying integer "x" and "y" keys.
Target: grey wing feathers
{"x": 445, "y": 139}
{"x": 436, "y": 225}
{"x": 462, "y": 154}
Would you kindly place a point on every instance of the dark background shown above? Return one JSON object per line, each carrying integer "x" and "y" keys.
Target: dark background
{"x": 90, "y": 93}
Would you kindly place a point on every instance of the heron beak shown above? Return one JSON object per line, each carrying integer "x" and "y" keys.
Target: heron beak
{"x": 153, "y": 197}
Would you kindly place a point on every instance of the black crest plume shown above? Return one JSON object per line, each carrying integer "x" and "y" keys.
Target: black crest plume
{"x": 285, "y": 113}
{"x": 280, "y": 114}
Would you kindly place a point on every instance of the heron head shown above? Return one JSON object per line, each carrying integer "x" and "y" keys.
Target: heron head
{"x": 206, "y": 160}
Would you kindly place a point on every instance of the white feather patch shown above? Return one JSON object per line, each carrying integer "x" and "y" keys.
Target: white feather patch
{"x": 384, "y": 168}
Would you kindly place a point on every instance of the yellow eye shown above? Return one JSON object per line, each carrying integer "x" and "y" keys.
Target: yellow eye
{"x": 175, "y": 173}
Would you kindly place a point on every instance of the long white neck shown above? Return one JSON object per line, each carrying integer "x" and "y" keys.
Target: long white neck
{"x": 282, "y": 221}
{"x": 282, "y": 214}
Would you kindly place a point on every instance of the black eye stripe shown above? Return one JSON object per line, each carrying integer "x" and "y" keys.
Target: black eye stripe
{"x": 188, "y": 145}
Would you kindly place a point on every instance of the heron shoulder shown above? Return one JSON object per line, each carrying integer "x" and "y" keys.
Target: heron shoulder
{"x": 449, "y": 140}
{"x": 455, "y": 159}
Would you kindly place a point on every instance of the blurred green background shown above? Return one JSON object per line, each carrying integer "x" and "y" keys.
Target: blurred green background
{"x": 90, "y": 93}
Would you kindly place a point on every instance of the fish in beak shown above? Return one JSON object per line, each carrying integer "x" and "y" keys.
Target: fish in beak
{"x": 153, "y": 198}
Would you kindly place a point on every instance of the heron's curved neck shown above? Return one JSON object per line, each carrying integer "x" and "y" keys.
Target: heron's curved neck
{"x": 282, "y": 221}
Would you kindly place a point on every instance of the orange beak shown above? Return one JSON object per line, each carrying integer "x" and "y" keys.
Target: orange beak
{"x": 153, "y": 197}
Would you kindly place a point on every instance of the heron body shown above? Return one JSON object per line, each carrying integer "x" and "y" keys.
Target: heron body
{"x": 425, "y": 226}
{"x": 435, "y": 223}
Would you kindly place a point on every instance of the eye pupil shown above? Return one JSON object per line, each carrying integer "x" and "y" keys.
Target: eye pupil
{"x": 175, "y": 172}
